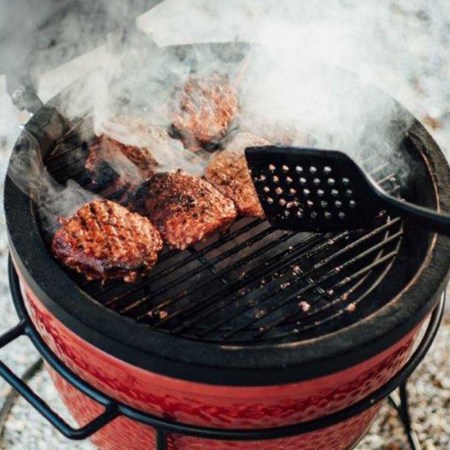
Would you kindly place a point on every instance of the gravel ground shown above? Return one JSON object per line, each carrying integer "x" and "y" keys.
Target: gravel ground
{"x": 427, "y": 97}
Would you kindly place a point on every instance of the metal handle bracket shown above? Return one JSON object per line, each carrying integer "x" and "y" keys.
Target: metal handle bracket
{"x": 111, "y": 410}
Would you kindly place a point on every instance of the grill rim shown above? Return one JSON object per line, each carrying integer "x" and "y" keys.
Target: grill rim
{"x": 226, "y": 364}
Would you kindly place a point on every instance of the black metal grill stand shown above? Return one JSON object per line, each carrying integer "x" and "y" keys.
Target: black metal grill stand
{"x": 164, "y": 427}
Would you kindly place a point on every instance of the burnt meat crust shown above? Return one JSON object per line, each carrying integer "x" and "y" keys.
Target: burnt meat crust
{"x": 128, "y": 163}
{"x": 228, "y": 172}
{"x": 203, "y": 110}
{"x": 103, "y": 240}
{"x": 186, "y": 209}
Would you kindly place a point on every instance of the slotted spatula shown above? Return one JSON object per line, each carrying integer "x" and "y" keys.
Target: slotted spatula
{"x": 306, "y": 189}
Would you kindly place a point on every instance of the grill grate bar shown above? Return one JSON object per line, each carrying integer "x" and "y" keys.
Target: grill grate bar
{"x": 218, "y": 274}
{"x": 253, "y": 280}
{"x": 287, "y": 267}
{"x": 230, "y": 287}
{"x": 285, "y": 261}
{"x": 366, "y": 270}
{"x": 208, "y": 264}
{"x": 354, "y": 244}
{"x": 185, "y": 261}
{"x": 341, "y": 298}
{"x": 390, "y": 177}
{"x": 294, "y": 294}
{"x": 378, "y": 169}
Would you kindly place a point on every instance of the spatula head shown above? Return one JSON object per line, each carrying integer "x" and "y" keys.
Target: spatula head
{"x": 307, "y": 189}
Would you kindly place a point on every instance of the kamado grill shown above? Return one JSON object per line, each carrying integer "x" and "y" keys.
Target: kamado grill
{"x": 257, "y": 338}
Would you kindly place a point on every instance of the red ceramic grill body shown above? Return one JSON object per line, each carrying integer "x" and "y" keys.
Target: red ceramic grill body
{"x": 211, "y": 405}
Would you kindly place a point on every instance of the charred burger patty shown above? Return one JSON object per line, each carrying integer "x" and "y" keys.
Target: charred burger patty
{"x": 186, "y": 209}
{"x": 103, "y": 240}
{"x": 228, "y": 172}
{"x": 204, "y": 109}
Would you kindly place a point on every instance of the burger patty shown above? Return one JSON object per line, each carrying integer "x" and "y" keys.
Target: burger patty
{"x": 228, "y": 172}
{"x": 130, "y": 151}
{"x": 103, "y": 240}
{"x": 120, "y": 166}
{"x": 204, "y": 109}
{"x": 186, "y": 209}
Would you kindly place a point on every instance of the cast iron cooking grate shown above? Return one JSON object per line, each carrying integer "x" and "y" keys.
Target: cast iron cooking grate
{"x": 254, "y": 283}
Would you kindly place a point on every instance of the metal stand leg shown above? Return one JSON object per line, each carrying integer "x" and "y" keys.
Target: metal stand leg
{"x": 14, "y": 395}
{"x": 161, "y": 440}
{"x": 400, "y": 403}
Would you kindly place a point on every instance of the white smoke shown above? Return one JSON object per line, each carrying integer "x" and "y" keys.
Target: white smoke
{"x": 53, "y": 200}
{"x": 307, "y": 82}
{"x": 399, "y": 45}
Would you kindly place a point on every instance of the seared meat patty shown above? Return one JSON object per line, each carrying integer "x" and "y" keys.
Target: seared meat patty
{"x": 129, "y": 151}
{"x": 228, "y": 172}
{"x": 103, "y": 240}
{"x": 204, "y": 108}
{"x": 185, "y": 209}
{"x": 110, "y": 160}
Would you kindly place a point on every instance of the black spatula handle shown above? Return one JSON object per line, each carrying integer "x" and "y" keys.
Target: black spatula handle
{"x": 425, "y": 217}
